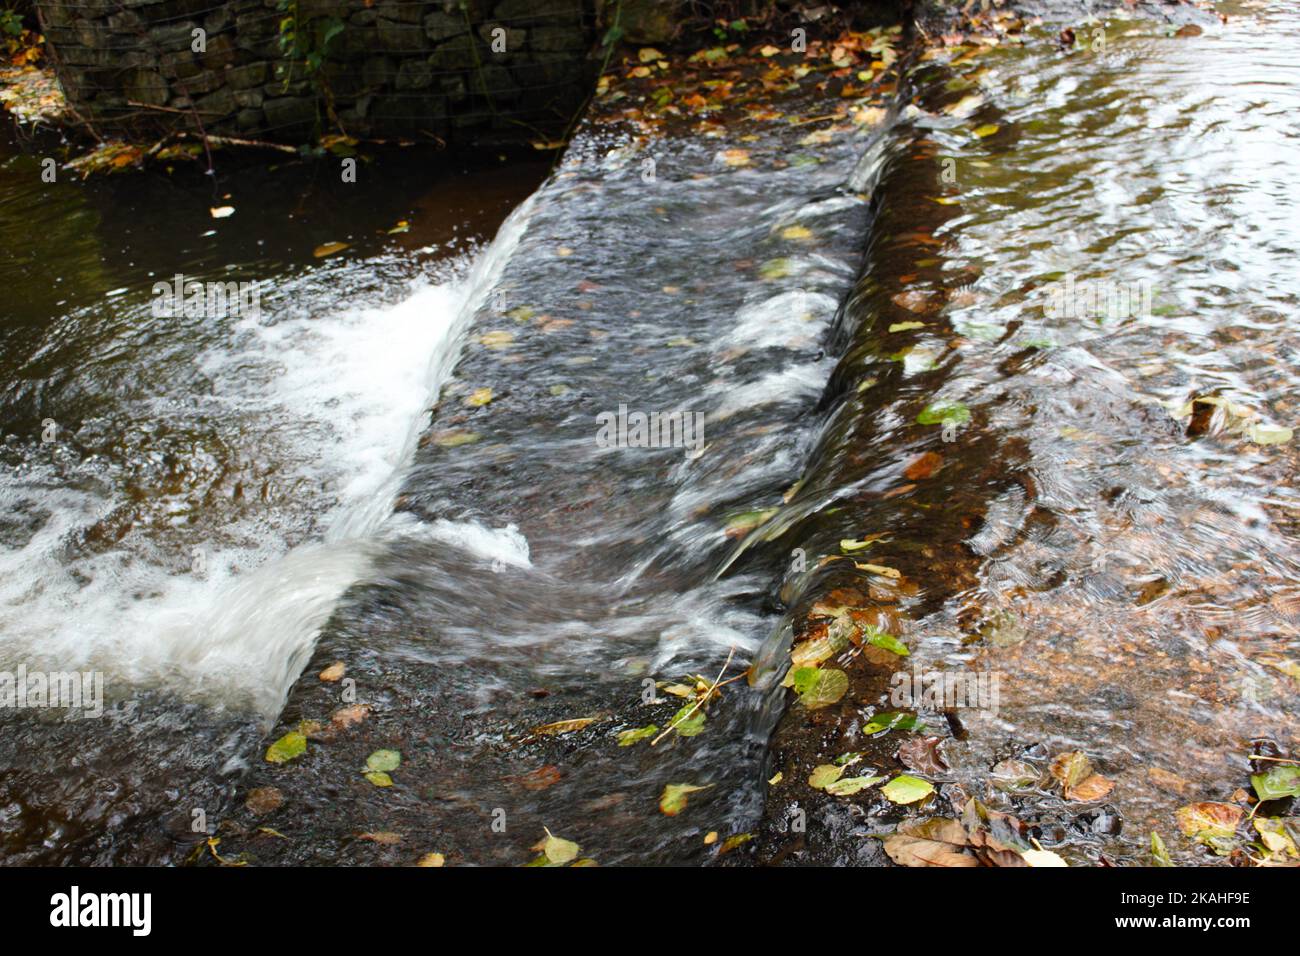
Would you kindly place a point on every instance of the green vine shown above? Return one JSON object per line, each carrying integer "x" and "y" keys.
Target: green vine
{"x": 308, "y": 43}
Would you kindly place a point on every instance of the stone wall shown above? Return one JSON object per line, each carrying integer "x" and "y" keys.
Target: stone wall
{"x": 457, "y": 70}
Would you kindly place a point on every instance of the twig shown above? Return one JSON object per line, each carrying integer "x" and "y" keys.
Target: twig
{"x": 701, "y": 701}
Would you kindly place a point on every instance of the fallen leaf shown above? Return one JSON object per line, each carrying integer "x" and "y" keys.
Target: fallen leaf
{"x": 923, "y": 466}
{"x": 432, "y": 859}
{"x": 819, "y": 686}
{"x": 673, "y": 800}
{"x": 563, "y": 726}
{"x": 328, "y": 249}
{"x": 479, "y": 397}
{"x": 907, "y": 789}
{"x": 1093, "y": 787}
{"x": 851, "y": 785}
{"x": 824, "y": 775}
{"x": 922, "y": 755}
{"x": 262, "y": 800}
{"x": 291, "y": 745}
{"x": 627, "y": 738}
{"x": 217, "y": 212}
{"x": 334, "y": 672}
{"x": 1071, "y": 768}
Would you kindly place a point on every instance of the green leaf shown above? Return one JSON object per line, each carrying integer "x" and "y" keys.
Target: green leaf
{"x": 1159, "y": 854}
{"x": 850, "y": 785}
{"x": 878, "y": 638}
{"x": 292, "y": 744}
{"x": 820, "y": 687}
{"x": 626, "y": 738}
{"x": 673, "y": 800}
{"x": 688, "y": 726}
{"x": 1280, "y": 781}
{"x": 889, "y": 720}
{"x": 379, "y": 779}
{"x": 939, "y": 413}
{"x": 824, "y": 775}
{"x": 382, "y": 761}
{"x": 906, "y": 326}
{"x": 559, "y": 851}
{"x": 907, "y": 789}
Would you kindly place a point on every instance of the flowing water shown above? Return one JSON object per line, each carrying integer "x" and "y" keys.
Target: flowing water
{"x": 221, "y": 503}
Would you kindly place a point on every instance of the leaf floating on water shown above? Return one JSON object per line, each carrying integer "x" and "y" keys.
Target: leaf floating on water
{"x": 1211, "y": 824}
{"x": 455, "y": 438}
{"x": 735, "y": 157}
{"x": 432, "y": 859}
{"x": 891, "y": 720}
{"x": 905, "y": 789}
{"x": 1071, "y": 768}
{"x": 906, "y": 326}
{"x": 384, "y": 760}
{"x": 479, "y": 397}
{"x": 328, "y": 249}
{"x": 880, "y": 569}
{"x": 922, "y": 755}
{"x": 985, "y": 131}
{"x": 345, "y": 717}
{"x": 1092, "y": 787}
{"x": 291, "y": 745}
{"x": 496, "y": 339}
{"x": 627, "y": 738}
{"x": 379, "y": 778}
{"x": 775, "y": 269}
{"x": 851, "y": 785}
{"x": 820, "y": 686}
{"x": 221, "y": 212}
{"x": 1276, "y": 783}
{"x": 674, "y": 798}
{"x": 262, "y": 800}
{"x": 941, "y": 413}
{"x": 1159, "y": 853}
{"x": 688, "y": 722}
{"x": 1275, "y": 837}
{"x": 559, "y": 851}
{"x": 824, "y": 775}
{"x": 1268, "y": 434}
{"x": 748, "y": 521}
{"x": 382, "y": 837}
{"x": 878, "y": 638}
{"x": 731, "y": 842}
{"x": 564, "y": 726}
{"x": 849, "y": 546}
{"x": 923, "y": 466}
{"x": 334, "y": 672}
{"x": 796, "y": 233}
{"x": 1015, "y": 776}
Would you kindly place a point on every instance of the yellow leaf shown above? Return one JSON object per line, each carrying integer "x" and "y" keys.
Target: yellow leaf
{"x": 735, "y": 157}
{"x": 796, "y": 233}
{"x": 563, "y": 726}
{"x": 497, "y": 339}
{"x": 328, "y": 249}
{"x": 479, "y": 397}
{"x": 648, "y": 53}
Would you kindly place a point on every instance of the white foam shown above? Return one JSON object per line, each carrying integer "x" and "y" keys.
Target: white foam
{"x": 345, "y": 397}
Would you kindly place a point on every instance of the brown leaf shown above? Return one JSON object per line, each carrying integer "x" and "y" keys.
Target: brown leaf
{"x": 539, "y": 779}
{"x": 334, "y": 672}
{"x": 345, "y": 717}
{"x": 263, "y": 800}
{"x": 1090, "y": 788}
{"x": 923, "y": 466}
{"x": 922, "y": 754}
{"x": 383, "y": 837}
{"x": 1071, "y": 768}
{"x": 914, "y": 851}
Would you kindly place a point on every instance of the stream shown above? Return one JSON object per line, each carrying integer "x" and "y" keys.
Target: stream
{"x": 963, "y": 338}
